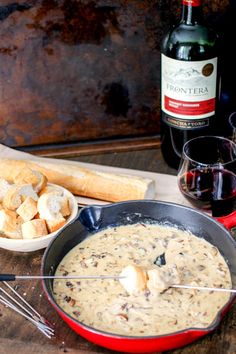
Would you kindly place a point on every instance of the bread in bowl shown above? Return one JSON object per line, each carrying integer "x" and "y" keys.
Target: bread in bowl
{"x": 33, "y": 244}
{"x": 16, "y": 195}
{"x": 28, "y": 209}
{"x": 31, "y": 176}
{"x": 53, "y": 225}
{"x": 34, "y": 228}
{"x": 9, "y": 226}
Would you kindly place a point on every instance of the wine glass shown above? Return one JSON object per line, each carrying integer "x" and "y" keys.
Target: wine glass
{"x": 232, "y": 122}
{"x": 207, "y": 174}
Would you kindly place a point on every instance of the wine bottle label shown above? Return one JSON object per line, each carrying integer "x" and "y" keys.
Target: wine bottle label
{"x": 192, "y": 2}
{"x": 188, "y": 91}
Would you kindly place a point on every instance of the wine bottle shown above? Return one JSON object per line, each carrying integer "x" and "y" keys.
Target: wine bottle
{"x": 189, "y": 82}
{"x": 226, "y": 27}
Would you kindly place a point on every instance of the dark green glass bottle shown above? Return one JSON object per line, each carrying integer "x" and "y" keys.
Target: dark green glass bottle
{"x": 227, "y": 28}
{"x": 189, "y": 82}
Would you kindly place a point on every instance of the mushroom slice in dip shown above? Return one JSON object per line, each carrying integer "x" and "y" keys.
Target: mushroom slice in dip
{"x": 105, "y": 304}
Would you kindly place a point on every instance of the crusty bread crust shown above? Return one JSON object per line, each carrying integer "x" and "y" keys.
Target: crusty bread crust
{"x": 4, "y": 187}
{"x": 34, "y": 228}
{"x": 54, "y": 225}
{"x": 9, "y": 226}
{"x": 84, "y": 182}
{"x": 17, "y": 194}
{"x": 28, "y": 209}
{"x": 34, "y": 177}
{"x": 65, "y": 207}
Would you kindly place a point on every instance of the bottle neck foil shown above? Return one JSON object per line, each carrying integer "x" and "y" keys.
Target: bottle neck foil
{"x": 192, "y": 13}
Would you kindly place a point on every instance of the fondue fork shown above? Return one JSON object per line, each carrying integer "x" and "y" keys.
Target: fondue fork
{"x": 180, "y": 286}
{"x": 17, "y": 303}
{"x": 12, "y": 277}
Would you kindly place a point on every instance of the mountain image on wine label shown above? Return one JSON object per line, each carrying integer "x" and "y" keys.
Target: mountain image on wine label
{"x": 189, "y": 74}
{"x": 182, "y": 76}
{"x": 188, "y": 89}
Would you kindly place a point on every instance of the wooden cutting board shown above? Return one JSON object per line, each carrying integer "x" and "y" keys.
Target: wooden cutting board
{"x": 166, "y": 185}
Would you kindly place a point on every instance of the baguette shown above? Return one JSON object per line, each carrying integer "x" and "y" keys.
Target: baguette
{"x": 85, "y": 182}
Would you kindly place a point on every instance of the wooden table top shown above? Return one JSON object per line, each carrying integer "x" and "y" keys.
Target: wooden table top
{"x": 17, "y": 335}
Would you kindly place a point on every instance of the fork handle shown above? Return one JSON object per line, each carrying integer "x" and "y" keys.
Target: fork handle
{"x": 7, "y": 277}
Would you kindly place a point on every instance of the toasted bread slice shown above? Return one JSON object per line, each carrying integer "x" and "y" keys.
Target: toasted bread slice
{"x": 53, "y": 205}
{"x": 28, "y": 209}
{"x": 161, "y": 278}
{"x": 34, "y": 228}
{"x": 4, "y": 188}
{"x": 31, "y": 176}
{"x": 65, "y": 206}
{"x": 17, "y": 194}
{"x": 9, "y": 226}
{"x": 56, "y": 224}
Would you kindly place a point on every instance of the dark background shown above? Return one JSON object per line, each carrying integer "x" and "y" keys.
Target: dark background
{"x": 86, "y": 71}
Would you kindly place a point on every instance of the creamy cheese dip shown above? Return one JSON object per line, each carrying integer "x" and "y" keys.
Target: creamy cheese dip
{"x": 107, "y": 306}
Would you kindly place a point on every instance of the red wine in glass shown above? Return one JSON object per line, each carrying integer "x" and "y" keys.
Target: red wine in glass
{"x": 214, "y": 190}
{"x": 207, "y": 174}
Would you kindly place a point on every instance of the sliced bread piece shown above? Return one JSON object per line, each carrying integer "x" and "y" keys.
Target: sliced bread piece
{"x": 31, "y": 176}
{"x": 50, "y": 206}
{"x": 9, "y": 226}
{"x": 4, "y": 188}
{"x": 28, "y": 209}
{"x": 34, "y": 228}
{"x": 135, "y": 279}
{"x": 17, "y": 194}
{"x": 56, "y": 224}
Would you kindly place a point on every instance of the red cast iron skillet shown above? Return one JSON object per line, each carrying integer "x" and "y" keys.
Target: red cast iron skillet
{"x": 94, "y": 218}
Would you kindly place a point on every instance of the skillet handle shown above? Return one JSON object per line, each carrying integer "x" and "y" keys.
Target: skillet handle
{"x": 229, "y": 221}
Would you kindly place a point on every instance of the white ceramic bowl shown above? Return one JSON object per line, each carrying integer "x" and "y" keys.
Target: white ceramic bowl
{"x": 29, "y": 245}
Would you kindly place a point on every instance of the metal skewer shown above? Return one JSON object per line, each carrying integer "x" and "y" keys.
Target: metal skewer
{"x": 35, "y": 315}
{"x": 10, "y": 277}
{"x": 43, "y": 328}
{"x": 22, "y": 307}
{"x": 203, "y": 288}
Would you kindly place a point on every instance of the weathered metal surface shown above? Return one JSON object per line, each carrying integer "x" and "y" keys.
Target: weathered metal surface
{"x": 82, "y": 70}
